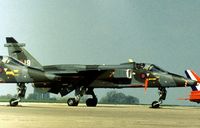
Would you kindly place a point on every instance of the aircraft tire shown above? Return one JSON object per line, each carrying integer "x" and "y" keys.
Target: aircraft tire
{"x": 91, "y": 102}
{"x": 155, "y": 104}
{"x": 13, "y": 103}
{"x": 72, "y": 102}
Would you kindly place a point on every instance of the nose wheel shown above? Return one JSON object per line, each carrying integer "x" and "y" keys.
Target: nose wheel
{"x": 162, "y": 96}
{"x": 155, "y": 104}
{"x": 13, "y": 102}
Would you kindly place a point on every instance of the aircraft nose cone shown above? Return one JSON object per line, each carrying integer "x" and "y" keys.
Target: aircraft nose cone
{"x": 191, "y": 83}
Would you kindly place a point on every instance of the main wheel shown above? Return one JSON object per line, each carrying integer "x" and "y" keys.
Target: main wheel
{"x": 91, "y": 102}
{"x": 155, "y": 104}
{"x": 13, "y": 102}
{"x": 72, "y": 102}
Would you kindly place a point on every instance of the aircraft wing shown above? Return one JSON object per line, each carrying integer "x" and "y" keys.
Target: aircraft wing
{"x": 73, "y": 68}
{"x": 83, "y": 73}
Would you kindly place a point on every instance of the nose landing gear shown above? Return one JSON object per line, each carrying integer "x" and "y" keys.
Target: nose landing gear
{"x": 162, "y": 96}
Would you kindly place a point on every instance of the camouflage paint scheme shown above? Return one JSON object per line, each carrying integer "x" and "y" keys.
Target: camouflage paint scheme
{"x": 21, "y": 67}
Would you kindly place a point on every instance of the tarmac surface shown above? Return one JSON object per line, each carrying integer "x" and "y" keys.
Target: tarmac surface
{"x": 56, "y": 115}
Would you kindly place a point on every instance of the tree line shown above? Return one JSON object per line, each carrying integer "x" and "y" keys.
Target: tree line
{"x": 112, "y": 97}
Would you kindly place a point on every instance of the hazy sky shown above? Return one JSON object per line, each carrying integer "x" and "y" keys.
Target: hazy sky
{"x": 163, "y": 32}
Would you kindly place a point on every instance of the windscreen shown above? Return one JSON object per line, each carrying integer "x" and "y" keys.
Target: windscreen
{"x": 155, "y": 68}
{"x": 149, "y": 67}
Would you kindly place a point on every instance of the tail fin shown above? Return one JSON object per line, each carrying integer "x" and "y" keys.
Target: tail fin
{"x": 193, "y": 76}
{"x": 17, "y": 51}
{"x": 195, "y": 93}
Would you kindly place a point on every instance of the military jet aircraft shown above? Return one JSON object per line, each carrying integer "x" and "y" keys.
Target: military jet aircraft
{"x": 21, "y": 67}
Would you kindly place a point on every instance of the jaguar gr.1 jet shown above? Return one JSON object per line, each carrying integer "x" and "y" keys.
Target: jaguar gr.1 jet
{"x": 21, "y": 67}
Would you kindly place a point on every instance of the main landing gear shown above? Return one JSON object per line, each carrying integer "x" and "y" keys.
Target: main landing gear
{"x": 162, "y": 94}
{"x": 79, "y": 92}
{"x": 91, "y": 102}
{"x": 21, "y": 91}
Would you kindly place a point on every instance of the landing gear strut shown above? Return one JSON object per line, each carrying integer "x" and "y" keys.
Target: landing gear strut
{"x": 79, "y": 92}
{"x": 162, "y": 94}
{"x": 21, "y": 91}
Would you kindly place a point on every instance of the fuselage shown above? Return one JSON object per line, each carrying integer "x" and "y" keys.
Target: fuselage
{"x": 126, "y": 75}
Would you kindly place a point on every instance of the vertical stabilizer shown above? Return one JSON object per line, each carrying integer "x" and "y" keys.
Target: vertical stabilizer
{"x": 195, "y": 93}
{"x": 193, "y": 76}
{"x": 17, "y": 51}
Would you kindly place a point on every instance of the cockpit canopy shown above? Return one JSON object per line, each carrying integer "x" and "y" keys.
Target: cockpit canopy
{"x": 10, "y": 60}
{"x": 149, "y": 67}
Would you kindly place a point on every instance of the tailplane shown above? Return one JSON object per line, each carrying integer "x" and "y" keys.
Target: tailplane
{"x": 17, "y": 51}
